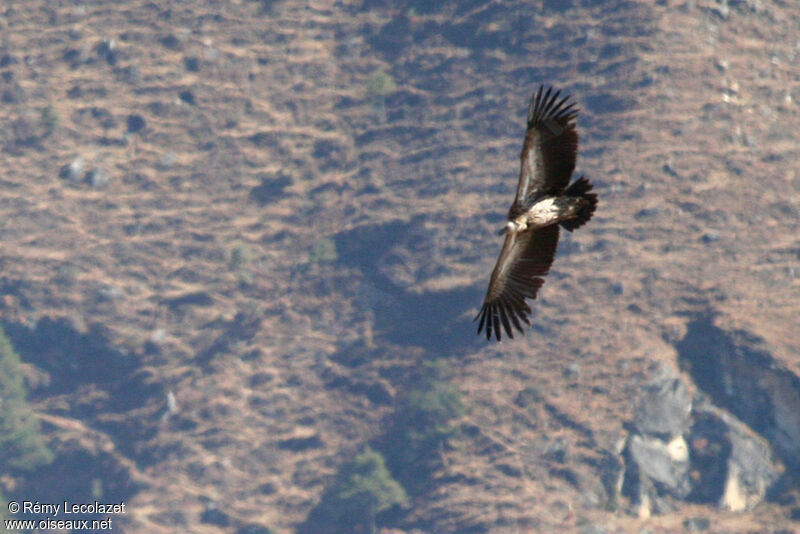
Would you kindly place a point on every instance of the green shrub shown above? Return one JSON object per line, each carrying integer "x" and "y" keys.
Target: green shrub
{"x": 424, "y": 424}
{"x": 239, "y": 257}
{"x": 20, "y": 438}
{"x": 381, "y": 84}
{"x": 323, "y": 251}
{"x": 49, "y": 119}
{"x": 364, "y": 489}
{"x": 66, "y": 274}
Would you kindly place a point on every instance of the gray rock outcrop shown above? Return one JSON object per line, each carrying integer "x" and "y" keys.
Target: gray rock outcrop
{"x": 680, "y": 448}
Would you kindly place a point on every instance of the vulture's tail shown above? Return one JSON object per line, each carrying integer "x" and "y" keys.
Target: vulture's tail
{"x": 586, "y": 203}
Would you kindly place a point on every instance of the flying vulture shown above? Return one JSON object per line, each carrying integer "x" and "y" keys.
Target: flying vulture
{"x": 545, "y": 201}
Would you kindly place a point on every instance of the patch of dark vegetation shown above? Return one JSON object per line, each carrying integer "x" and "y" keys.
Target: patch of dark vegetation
{"x": 423, "y": 425}
{"x": 271, "y": 188}
{"x": 21, "y": 440}
{"x": 87, "y": 361}
{"x": 400, "y": 464}
{"x": 195, "y": 298}
{"x": 70, "y": 356}
{"x": 301, "y": 444}
{"x": 363, "y": 492}
{"x": 376, "y": 392}
{"x": 78, "y": 477}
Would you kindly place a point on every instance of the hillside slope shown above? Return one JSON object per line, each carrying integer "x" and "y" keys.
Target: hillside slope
{"x": 233, "y": 234}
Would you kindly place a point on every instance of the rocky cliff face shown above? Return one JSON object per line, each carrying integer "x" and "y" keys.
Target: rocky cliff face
{"x": 739, "y": 374}
{"x": 684, "y": 449}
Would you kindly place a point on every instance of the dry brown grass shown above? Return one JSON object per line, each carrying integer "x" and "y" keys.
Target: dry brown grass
{"x": 719, "y": 107}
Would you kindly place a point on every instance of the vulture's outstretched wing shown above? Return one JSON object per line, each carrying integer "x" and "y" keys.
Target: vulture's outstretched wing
{"x": 550, "y": 148}
{"x": 525, "y": 258}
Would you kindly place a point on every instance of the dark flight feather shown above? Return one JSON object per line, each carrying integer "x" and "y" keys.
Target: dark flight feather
{"x": 549, "y": 151}
{"x": 524, "y": 260}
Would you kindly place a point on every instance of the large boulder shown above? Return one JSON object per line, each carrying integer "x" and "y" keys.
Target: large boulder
{"x": 680, "y": 448}
{"x": 664, "y": 406}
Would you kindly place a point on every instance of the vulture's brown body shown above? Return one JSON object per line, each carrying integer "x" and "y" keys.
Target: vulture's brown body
{"x": 545, "y": 201}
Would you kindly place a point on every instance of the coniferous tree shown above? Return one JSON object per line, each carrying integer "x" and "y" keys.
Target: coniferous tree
{"x": 21, "y": 442}
{"x": 424, "y": 424}
{"x": 364, "y": 489}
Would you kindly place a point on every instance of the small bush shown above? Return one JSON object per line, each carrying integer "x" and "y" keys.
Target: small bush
{"x": 240, "y": 256}
{"x": 323, "y": 251}
{"x": 364, "y": 489}
{"x": 66, "y": 274}
{"x": 49, "y": 119}
{"x": 381, "y": 84}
